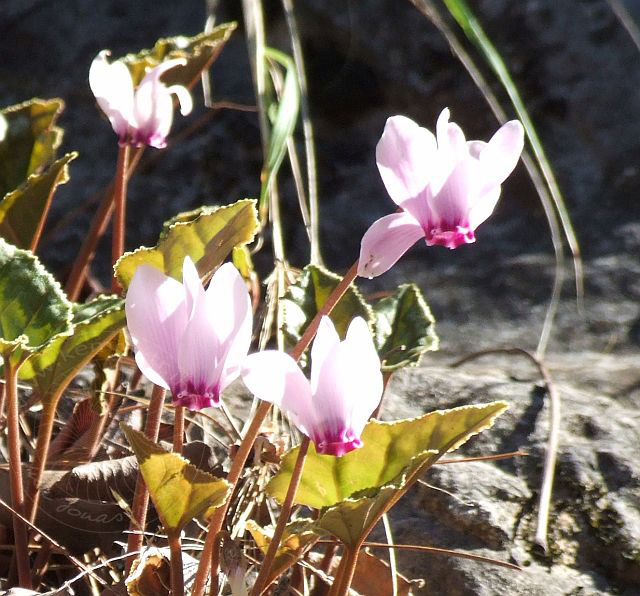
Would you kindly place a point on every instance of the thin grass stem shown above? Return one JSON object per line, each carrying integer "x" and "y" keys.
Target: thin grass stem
{"x": 307, "y": 130}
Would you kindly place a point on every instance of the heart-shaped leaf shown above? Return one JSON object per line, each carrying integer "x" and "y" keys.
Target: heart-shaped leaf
{"x": 207, "y": 235}
{"x": 95, "y": 324}
{"x": 389, "y": 451}
{"x": 22, "y": 211}
{"x": 179, "y": 490}
{"x": 199, "y": 51}
{"x": 307, "y": 296}
{"x": 351, "y": 520}
{"x": 29, "y": 141}
{"x": 33, "y": 307}
{"x": 405, "y": 328}
{"x": 298, "y": 537}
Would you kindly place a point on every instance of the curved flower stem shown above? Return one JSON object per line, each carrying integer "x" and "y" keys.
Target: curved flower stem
{"x": 326, "y": 309}
{"x": 45, "y": 430}
{"x": 285, "y": 512}
{"x": 15, "y": 471}
{"x": 141, "y": 495}
{"x": 177, "y": 570}
{"x": 209, "y": 557}
{"x": 350, "y": 556}
{"x": 120, "y": 205}
{"x": 178, "y": 429}
{"x": 99, "y": 223}
{"x": 339, "y": 574}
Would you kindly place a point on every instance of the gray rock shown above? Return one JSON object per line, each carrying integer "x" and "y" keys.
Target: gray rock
{"x": 491, "y": 508}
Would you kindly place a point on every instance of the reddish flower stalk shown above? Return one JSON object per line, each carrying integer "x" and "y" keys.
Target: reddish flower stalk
{"x": 120, "y": 205}
{"x": 209, "y": 559}
{"x": 141, "y": 495}
{"x": 15, "y": 471}
{"x": 265, "y": 569}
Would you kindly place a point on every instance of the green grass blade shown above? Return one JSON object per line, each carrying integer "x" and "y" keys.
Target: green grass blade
{"x": 284, "y": 123}
{"x": 307, "y": 130}
{"x": 474, "y": 31}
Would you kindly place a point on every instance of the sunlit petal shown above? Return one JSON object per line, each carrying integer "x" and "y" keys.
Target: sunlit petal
{"x": 199, "y": 349}
{"x": 112, "y": 87}
{"x": 326, "y": 340}
{"x": 404, "y": 156}
{"x": 502, "y": 152}
{"x": 275, "y": 377}
{"x": 156, "y": 318}
{"x": 386, "y": 241}
{"x": 229, "y": 305}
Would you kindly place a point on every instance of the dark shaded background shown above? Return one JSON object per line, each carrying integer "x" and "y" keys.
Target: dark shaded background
{"x": 579, "y": 73}
{"x": 576, "y": 66}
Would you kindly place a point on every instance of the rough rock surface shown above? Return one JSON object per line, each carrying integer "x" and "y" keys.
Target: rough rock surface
{"x": 490, "y": 508}
{"x": 579, "y": 73}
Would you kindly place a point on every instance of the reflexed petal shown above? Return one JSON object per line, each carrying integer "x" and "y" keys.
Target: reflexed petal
{"x": 483, "y": 207}
{"x": 153, "y": 110}
{"x": 153, "y": 106}
{"x": 326, "y": 340}
{"x": 349, "y": 388}
{"x": 386, "y": 241}
{"x": 156, "y": 318}
{"x": 229, "y": 308}
{"x": 184, "y": 98}
{"x": 153, "y": 76}
{"x": 476, "y": 148}
{"x": 451, "y": 140}
{"x": 451, "y": 206}
{"x": 404, "y": 156}
{"x": 275, "y": 377}
{"x": 502, "y": 152}
{"x": 199, "y": 350}
{"x": 193, "y": 289}
{"x": 112, "y": 87}
{"x": 366, "y": 376}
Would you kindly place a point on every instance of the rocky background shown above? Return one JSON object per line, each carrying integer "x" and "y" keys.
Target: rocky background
{"x": 579, "y": 72}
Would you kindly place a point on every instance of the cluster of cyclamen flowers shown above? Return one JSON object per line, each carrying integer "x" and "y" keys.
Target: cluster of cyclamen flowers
{"x": 194, "y": 342}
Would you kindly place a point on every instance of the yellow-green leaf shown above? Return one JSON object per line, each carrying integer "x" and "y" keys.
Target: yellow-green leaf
{"x": 298, "y": 537}
{"x": 29, "y": 142}
{"x": 22, "y": 210}
{"x": 207, "y": 235}
{"x": 179, "y": 490}
{"x": 388, "y": 451}
{"x": 95, "y": 324}
{"x": 199, "y": 51}
{"x": 33, "y": 307}
{"x": 405, "y": 328}
{"x": 351, "y": 520}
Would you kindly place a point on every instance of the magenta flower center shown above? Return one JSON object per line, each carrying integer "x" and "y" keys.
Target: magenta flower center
{"x": 450, "y": 237}
{"x": 330, "y": 441}
{"x": 196, "y": 396}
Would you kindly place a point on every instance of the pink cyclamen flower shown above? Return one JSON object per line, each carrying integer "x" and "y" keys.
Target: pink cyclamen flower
{"x": 445, "y": 186}
{"x": 142, "y": 116}
{"x": 189, "y": 340}
{"x": 345, "y": 388}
